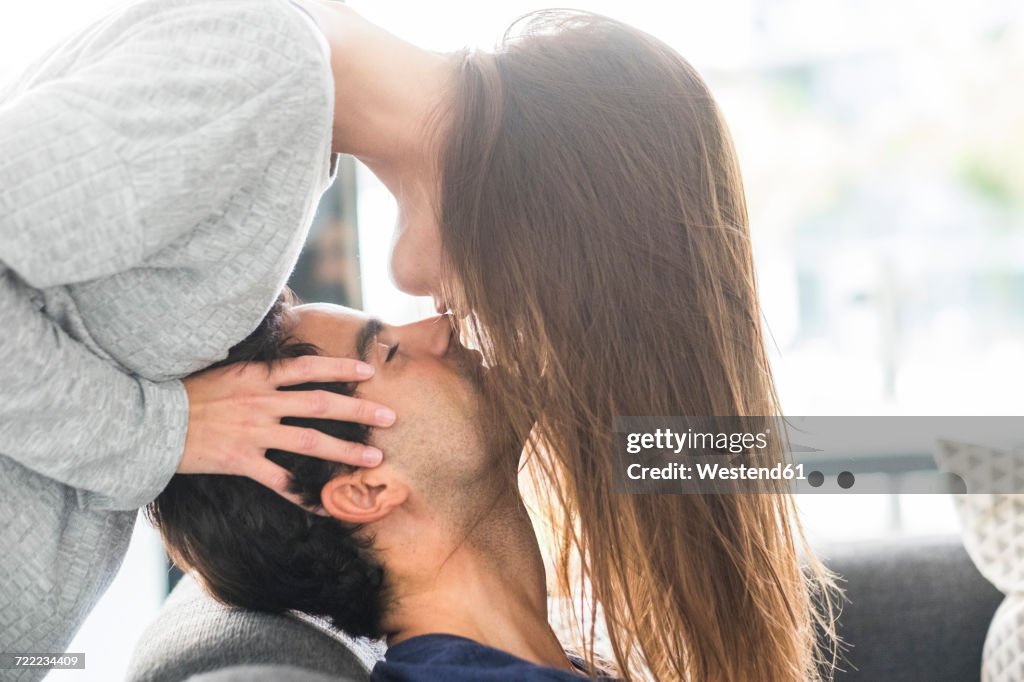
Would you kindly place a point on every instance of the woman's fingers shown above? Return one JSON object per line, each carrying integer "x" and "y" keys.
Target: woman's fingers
{"x": 235, "y": 415}
{"x": 327, "y": 405}
{"x": 316, "y": 368}
{"x": 313, "y": 443}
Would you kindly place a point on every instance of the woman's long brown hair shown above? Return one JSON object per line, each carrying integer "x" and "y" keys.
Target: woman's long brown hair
{"x": 593, "y": 219}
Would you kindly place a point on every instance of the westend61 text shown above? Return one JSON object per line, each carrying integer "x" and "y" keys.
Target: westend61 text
{"x": 715, "y": 472}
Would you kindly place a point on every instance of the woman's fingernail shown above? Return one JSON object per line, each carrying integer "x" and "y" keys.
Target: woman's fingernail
{"x": 372, "y": 457}
{"x": 384, "y": 416}
{"x": 364, "y": 370}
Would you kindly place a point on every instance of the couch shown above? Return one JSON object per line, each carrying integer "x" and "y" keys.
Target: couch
{"x": 917, "y": 611}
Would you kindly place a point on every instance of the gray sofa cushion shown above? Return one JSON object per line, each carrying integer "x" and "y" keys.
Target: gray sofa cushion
{"x": 918, "y": 610}
{"x": 195, "y": 634}
{"x": 264, "y": 673}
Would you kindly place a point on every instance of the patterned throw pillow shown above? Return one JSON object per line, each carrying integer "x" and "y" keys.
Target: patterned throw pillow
{"x": 992, "y": 520}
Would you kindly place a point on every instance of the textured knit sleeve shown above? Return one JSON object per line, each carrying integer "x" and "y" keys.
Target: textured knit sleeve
{"x": 161, "y": 114}
{"x": 176, "y": 107}
{"x": 78, "y": 419}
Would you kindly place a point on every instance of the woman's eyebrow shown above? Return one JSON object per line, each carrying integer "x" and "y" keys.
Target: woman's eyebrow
{"x": 366, "y": 336}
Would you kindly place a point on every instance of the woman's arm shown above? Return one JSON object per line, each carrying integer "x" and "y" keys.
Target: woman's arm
{"x": 136, "y": 142}
{"x": 170, "y": 109}
{"x": 68, "y": 414}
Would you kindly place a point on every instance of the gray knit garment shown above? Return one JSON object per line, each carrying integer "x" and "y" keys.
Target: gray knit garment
{"x": 158, "y": 173}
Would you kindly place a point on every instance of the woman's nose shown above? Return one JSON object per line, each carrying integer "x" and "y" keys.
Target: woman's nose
{"x": 431, "y": 335}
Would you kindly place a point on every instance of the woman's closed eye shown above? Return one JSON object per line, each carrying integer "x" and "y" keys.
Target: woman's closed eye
{"x": 391, "y": 352}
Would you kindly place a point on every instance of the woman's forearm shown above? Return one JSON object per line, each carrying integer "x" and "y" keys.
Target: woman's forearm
{"x": 78, "y": 419}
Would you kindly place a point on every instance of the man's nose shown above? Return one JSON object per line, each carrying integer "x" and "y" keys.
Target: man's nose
{"x": 430, "y": 335}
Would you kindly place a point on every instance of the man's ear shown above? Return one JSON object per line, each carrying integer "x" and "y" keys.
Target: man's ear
{"x": 364, "y": 495}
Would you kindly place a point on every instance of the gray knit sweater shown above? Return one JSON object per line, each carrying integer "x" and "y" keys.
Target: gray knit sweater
{"x": 158, "y": 173}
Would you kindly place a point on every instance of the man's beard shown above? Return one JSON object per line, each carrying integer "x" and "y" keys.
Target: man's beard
{"x": 469, "y": 366}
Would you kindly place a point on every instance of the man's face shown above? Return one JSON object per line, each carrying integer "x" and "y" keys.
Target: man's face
{"x": 426, "y": 376}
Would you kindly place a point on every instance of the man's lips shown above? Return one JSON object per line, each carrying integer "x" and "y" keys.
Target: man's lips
{"x": 460, "y": 353}
{"x": 470, "y": 362}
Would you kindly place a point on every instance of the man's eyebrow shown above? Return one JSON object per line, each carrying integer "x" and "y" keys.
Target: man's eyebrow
{"x": 367, "y": 334}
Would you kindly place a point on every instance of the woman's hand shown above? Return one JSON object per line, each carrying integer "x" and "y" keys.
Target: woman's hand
{"x": 235, "y": 416}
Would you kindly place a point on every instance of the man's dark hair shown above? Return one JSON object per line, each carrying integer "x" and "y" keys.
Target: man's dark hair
{"x": 254, "y": 549}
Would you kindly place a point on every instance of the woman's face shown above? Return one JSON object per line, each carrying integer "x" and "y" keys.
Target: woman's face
{"x": 416, "y": 246}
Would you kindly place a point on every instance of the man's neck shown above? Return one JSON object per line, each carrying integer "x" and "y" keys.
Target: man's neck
{"x": 495, "y": 596}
